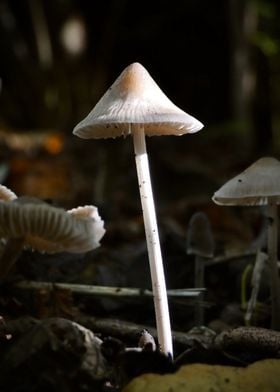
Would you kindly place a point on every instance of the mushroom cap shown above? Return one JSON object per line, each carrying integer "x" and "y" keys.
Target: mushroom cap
{"x": 259, "y": 184}
{"x": 50, "y": 229}
{"x": 134, "y": 100}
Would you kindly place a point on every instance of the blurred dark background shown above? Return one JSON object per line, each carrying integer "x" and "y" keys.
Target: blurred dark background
{"x": 218, "y": 60}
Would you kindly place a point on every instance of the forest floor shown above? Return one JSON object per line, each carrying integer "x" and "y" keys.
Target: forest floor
{"x": 53, "y": 338}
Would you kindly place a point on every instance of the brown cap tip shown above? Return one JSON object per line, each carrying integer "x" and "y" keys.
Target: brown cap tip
{"x": 135, "y": 99}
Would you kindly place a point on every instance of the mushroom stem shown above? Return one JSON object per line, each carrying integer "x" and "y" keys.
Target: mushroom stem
{"x": 199, "y": 282}
{"x": 10, "y": 255}
{"x": 272, "y": 245}
{"x": 153, "y": 244}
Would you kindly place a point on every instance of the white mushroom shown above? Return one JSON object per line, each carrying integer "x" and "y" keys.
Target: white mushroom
{"x": 31, "y": 222}
{"x": 259, "y": 185}
{"x": 135, "y": 105}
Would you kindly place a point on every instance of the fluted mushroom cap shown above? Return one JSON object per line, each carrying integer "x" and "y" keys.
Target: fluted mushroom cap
{"x": 134, "y": 100}
{"x": 257, "y": 185}
{"x": 50, "y": 229}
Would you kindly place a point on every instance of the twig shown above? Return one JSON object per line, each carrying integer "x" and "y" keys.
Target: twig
{"x": 41, "y": 31}
{"x": 231, "y": 256}
{"x": 128, "y": 330}
{"x": 120, "y": 329}
{"x": 107, "y": 291}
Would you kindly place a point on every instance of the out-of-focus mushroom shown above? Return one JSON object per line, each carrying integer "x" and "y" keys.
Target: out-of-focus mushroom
{"x": 30, "y": 222}
{"x": 259, "y": 185}
{"x": 135, "y": 105}
{"x": 6, "y": 194}
{"x": 200, "y": 242}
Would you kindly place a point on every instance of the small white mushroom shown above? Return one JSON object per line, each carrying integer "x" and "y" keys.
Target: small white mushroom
{"x": 259, "y": 185}
{"x": 135, "y": 105}
{"x": 31, "y": 222}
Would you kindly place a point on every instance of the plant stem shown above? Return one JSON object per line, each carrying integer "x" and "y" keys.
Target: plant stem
{"x": 153, "y": 244}
{"x": 199, "y": 282}
{"x": 272, "y": 261}
{"x": 261, "y": 259}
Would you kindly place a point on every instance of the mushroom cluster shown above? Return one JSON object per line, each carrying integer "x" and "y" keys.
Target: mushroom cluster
{"x": 135, "y": 105}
